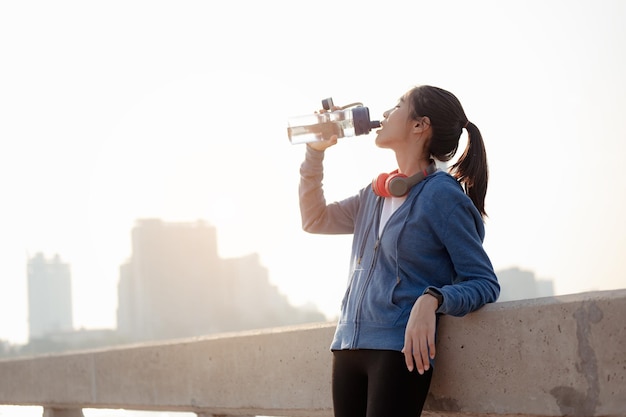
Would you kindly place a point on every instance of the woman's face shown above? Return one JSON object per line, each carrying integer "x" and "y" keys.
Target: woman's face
{"x": 396, "y": 125}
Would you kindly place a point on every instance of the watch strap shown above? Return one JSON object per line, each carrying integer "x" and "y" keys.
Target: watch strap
{"x": 435, "y": 293}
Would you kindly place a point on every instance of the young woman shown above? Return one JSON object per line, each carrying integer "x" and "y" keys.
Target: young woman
{"x": 416, "y": 253}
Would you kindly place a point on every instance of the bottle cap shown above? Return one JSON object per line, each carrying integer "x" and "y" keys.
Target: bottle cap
{"x": 362, "y": 123}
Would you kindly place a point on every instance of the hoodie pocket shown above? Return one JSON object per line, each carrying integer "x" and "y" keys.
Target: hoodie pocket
{"x": 378, "y": 305}
{"x": 355, "y": 277}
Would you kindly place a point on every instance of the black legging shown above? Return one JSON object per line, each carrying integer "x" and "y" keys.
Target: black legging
{"x": 376, "y": 383}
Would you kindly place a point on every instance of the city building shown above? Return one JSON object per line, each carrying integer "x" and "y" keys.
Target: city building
{"x": 49, "y": 296}
{"x": 518, "y": 284}
{"x": 176, "y": 285}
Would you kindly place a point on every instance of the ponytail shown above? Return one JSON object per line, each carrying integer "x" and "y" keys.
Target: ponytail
{"x": 471, "y": 169}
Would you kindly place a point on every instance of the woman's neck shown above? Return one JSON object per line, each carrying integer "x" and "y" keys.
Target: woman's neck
{"x": 411, "y": 166}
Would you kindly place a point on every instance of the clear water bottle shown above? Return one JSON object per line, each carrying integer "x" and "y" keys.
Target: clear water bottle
{"x": 350, "y": 120}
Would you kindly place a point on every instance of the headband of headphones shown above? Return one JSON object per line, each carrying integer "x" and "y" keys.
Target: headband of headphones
{"x": 396, "y": 184}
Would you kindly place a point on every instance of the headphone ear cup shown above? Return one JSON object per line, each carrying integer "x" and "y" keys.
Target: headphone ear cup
{"x": 378, "y": 185}
{"x": 395, "y": 185}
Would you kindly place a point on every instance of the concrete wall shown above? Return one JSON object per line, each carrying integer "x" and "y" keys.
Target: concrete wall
{"x": 545, "y": 357}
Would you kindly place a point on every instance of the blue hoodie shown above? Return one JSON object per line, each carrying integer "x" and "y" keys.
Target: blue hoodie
{"x": 434, "y": 239}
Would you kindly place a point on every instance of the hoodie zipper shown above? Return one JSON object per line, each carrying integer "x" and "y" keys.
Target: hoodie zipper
{"x": 357, "y": 318}
{"x": 379, "y": 235}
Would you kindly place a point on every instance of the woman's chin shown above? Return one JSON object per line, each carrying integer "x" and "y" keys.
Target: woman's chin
{"x": 380, "y": 142}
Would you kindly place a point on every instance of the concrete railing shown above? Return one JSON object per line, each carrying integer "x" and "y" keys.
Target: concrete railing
{"x": 561, "y": 356}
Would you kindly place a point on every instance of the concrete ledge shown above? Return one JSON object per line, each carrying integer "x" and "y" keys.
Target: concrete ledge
{"x": 545, "y": 357}
{"x": 557, "y": 356}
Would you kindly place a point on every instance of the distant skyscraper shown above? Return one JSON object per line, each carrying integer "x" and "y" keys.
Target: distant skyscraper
{"x": 49, "y": 296}
{"x": 176, "y": 285}
{"x": 517, "y": 284}
{"x": 164, "y": 288}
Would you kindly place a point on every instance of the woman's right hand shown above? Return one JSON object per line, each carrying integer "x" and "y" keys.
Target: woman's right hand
{"x": 322, "y": 145}
{"x": 326, "y": 143}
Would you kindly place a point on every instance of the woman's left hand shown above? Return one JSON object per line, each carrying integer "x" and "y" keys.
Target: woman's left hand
{"x": 419, "y": 337}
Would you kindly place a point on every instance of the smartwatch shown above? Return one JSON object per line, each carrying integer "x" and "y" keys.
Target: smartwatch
{"x": 435, "y": 293}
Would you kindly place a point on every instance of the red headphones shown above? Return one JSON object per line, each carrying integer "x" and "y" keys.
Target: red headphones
{"x": 396, "y": 184}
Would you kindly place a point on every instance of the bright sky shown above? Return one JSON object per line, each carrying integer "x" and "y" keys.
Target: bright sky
{"x": 120, "y": 110}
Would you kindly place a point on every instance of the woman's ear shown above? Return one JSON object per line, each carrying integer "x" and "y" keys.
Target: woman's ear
{"x": 422, "y": 124}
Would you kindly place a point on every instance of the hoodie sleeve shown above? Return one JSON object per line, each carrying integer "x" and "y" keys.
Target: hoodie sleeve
{"x": 475, "y": 283}
{"x": 317, "y": 216}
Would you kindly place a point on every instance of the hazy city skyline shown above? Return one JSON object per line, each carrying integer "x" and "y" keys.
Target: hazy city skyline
{"x": 126, "y": 110}
{"x": 174, "y": 285}
{"x": 176, "y": 265}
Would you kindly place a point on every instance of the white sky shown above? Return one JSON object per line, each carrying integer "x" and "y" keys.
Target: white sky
{"x": 119, "y": 110}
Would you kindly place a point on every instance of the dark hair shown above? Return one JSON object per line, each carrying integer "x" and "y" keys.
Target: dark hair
{"x": 447, "y": 120}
